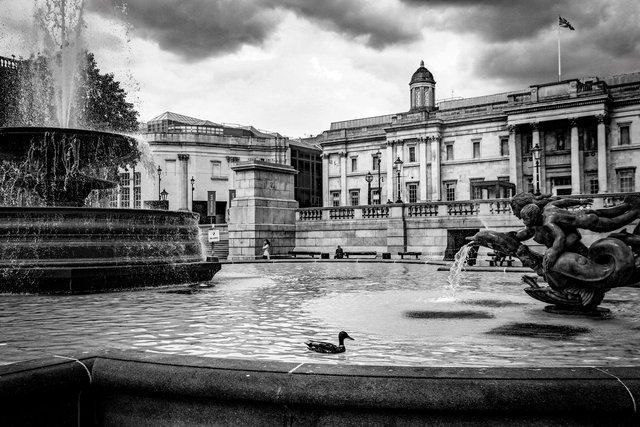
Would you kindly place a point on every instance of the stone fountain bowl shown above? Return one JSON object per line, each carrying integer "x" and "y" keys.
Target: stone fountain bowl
{"x": 63, "y": 165}
{"x": 65, "y": 249}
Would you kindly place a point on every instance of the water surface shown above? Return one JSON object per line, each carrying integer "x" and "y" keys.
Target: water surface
{"x": 399, "y": 314}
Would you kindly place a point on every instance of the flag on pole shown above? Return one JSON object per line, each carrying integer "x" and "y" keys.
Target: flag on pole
{"x": 564, "y": 23}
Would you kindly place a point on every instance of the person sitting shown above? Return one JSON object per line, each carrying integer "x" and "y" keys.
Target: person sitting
{"x": 499, "y": 257}
{"x": 339, "y": 253}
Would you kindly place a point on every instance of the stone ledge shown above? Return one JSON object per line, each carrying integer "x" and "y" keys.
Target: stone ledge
{"x": 129, "y": 386}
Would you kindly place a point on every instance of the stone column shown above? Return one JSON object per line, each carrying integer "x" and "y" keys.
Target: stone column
{"x": 435, "y": 168}
{"x": 603, "y": 176}
{"x": 325, "y": 180}
{"x": 535, "y": 140}
{"x": 515, "y": 158}
{"x": 389, "y": 172}
{"x": 576, "y": 174}
{"x": 264, "y": 208}
{"x": 343, "y": 178}
{"x": 423, "y": 169}
{"x": 183, "y": 182}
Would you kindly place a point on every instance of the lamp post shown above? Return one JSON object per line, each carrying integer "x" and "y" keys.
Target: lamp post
{"x": 193, "y": 187}
{"x": 369, "y": 178}
{"x": 536, "y": 157}
{"x": 379, "y": 157}
{"x": 159, "y": 172}
{"x": 398, "y": 164}
{"x": 164, "y": 194}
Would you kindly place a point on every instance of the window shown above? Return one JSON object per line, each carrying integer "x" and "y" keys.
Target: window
{"x": 504, "y": 146}
{"x": 354, "y": 164}
{"x": 124, "y": 179}
{"x": 137, "y": 197}
{"x": 412, "y": 154}
{"x": 125, "y": 194}
{"x": 560, "y": 140}
{"x": 335, "y": 198}
{"x": 592, "y": 182}
{"x": 137, "y": 190}
{"x": 376, "y": 162}
{"x": 476, "y": 190}
{"x": 375, "y": 196}
{"x": 527, "y": 143}
{"x": 216, "y": 167}
{"x": 476, "y": 149}
{"x": 449, "y": 148}
{"x": 450, "y": 190}
{"x": 413, "y": 192}
{"x": 626, "y": 180}
{"x": 625, "y": 138}
{"x": 354, "y": 196}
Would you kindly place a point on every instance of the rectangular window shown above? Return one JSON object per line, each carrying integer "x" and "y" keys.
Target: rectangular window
{"x": 560, "y": 140}
{"x": 375, "y": 196}
{"x": 527, "y": 143}
{"x": 476, "y": 149}
{"x": 625, "y": 138}
{"x": 113, "y": 198}
{"x": 376, "y": 162}
{"x": 354, "y": 164}
{"x": 413, "y": 193}
{"x": 124, "y": 179}
{"x": 412, "y": 154}
{"x": 354, "y": 196}
{"x": 216, "y": 167}
{"x": 476, "y": 190}
{"x": 137, "y": 179}
{"x": 125, "y": 197}
{"x": 504, "y": 146}
{"x": 626, "y": 180}
{"x": 450, "y": 191}
{"x": 137, "y": 197}
{"x": 594, "y": 187}
{"x": 335, "y": 198}
{"x": 449, "y": 148}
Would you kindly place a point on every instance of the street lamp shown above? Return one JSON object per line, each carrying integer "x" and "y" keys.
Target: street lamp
{"x": 398, "y": 164}
{"x": 369, "y": 178}
{"x": 164, "y": 194}
{"x": 159, "y": 172}
{"x": 536, "y": 156}
{"x": 379, "y": 157}
{"x": 193, "y": 187}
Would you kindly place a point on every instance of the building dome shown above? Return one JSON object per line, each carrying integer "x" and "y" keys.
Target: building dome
{"x": 422, "y": 75}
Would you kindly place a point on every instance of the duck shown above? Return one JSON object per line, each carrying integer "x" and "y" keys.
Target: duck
{"x": 327, "y": 347}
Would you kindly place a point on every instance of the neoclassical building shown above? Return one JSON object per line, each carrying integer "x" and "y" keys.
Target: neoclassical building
{"x": 580, "y": 135}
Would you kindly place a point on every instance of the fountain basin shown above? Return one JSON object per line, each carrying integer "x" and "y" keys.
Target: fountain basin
{"x": 66, "y": 249}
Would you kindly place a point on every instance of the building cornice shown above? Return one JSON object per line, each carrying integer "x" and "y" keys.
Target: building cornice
{"x": 557, "y": 105}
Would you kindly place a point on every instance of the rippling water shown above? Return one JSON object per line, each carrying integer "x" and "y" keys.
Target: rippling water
{"x": 395, "y": 312}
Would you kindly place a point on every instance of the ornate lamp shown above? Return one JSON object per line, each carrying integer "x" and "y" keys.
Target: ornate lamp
{"x": 398, "y": 164}
{"x": 368, "y": 178}
{"x": 159, "y": 173}
{"x": 535, "y": 151}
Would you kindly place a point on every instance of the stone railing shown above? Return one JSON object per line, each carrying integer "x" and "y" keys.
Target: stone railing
{"x": 457, "y": 209}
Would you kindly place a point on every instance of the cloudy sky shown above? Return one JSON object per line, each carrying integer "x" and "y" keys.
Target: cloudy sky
{"x": 294, "y": 66}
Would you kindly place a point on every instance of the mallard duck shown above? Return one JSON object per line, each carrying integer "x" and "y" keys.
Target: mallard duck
{"x": 327, "y": 347}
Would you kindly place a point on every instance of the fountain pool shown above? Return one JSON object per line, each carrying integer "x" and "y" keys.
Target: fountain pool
{"x": 399, "y": 314}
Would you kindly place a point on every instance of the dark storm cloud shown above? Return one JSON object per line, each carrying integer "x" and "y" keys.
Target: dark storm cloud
{"x": 518, "y": 37}
{"x": 196, "y": 29}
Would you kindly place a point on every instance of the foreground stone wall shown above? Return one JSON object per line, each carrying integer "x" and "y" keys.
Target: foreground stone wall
{"x": 131, "y": 389}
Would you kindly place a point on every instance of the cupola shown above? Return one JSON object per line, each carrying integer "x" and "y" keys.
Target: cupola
{"x": 422, "y": 88}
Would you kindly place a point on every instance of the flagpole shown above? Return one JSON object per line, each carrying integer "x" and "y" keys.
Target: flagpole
{"x": 559, "y": 57}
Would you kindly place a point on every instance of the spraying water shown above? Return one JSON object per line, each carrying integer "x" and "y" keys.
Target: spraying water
{"x": 455, "y": 272}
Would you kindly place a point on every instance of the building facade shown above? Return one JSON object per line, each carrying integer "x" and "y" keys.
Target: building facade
{"x": 576, "y": 136}
{"x": 192, "y": 161}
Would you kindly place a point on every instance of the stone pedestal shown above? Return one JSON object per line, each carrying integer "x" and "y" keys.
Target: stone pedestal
{"x": 264, "y": 208}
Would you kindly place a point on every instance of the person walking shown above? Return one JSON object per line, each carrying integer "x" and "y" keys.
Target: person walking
{"x": 266, "y": 249}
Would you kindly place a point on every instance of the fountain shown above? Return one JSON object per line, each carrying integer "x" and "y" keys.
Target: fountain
{"x": 578, "y": 276}
{"x": 49, "y": 240}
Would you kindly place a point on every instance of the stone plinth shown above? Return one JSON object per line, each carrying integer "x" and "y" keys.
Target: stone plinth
{"x": 264, "y": 208}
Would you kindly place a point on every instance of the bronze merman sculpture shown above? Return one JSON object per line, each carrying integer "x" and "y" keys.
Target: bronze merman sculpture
{"x": 578, "y": 276}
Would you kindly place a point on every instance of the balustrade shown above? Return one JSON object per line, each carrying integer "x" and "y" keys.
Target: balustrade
{"x": 426, "y": 209}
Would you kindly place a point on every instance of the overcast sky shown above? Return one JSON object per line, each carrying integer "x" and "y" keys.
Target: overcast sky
{"x": 294, "y": 66}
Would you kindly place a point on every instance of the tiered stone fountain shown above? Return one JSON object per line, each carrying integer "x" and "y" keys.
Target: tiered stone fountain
{"x": 50, "y": 242}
